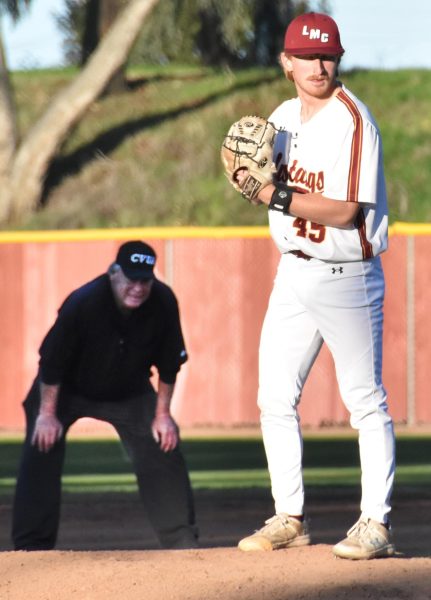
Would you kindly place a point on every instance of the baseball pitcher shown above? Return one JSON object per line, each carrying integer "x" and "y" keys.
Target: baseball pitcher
{"x": 316, "y": 164}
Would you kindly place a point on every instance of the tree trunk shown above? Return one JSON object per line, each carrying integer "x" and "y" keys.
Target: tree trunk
{"x": 90, "y": 37}
{"x": 8, "y": 128}
{"x": 99, "y": 16}
{"x": 108, "y": 12}
{"x": 31, "y": 161}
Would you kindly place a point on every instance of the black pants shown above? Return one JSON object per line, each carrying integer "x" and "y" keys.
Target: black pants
{"x": 163, "y": 480}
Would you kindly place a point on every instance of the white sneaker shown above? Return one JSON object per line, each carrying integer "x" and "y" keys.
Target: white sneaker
{"x": 280, "y": 531}
{"x": 366, "y": 539}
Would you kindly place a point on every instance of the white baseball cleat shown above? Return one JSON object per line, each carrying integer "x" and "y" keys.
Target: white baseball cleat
{"x": 280, "y": 531}
{"x": 366, "y": 539}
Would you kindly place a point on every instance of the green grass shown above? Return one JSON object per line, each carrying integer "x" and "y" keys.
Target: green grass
{"x": 157, "y": 146}
{"x": 94, "y": 466}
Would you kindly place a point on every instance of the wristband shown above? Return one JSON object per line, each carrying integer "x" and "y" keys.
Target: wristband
{"x": 281, "y": 198}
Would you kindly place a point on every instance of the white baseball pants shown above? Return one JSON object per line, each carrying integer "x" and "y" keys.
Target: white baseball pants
{"x": 313, "y": 301}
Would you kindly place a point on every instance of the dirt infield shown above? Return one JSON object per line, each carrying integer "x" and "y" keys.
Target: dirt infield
{"x": 106, "y": 551}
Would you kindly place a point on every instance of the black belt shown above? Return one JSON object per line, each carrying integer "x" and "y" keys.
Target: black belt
{"x": 300, "y": 254}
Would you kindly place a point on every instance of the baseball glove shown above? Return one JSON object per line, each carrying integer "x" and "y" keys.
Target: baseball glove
{"x": 249, "y": 145}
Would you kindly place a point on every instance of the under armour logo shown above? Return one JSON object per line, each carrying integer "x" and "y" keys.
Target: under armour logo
{"x": 334, "y": 270}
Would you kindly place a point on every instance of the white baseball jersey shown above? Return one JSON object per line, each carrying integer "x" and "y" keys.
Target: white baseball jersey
{"x": 338, "y": 153}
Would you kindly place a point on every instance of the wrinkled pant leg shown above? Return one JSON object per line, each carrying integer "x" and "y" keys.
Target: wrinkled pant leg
{"x": 354, "y": 336}
{"x": 36, "y": 504}
{"x": 164, "y": 488}
{"x": 289, "y": 345}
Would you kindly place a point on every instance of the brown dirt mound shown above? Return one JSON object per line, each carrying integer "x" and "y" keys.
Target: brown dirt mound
{"x": 106, "y": 551}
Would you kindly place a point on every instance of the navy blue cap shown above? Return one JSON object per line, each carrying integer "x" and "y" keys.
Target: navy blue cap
{"x": 137, "y": 260}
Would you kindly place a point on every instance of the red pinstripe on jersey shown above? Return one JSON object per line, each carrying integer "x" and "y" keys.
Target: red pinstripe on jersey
{"x": 354, "y": 170}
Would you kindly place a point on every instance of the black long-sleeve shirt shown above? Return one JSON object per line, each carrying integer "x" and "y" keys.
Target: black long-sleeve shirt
{"x": 98, "y": 352}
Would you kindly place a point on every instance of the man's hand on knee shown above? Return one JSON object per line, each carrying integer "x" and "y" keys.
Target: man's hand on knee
{"x": 47, "y": 431}
{"x": 165, "y": 432}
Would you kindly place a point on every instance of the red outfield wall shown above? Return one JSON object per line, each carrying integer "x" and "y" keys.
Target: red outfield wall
{"x": 222, "y": 278}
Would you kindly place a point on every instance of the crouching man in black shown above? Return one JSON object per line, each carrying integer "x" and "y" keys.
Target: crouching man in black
{"x": 96, "y": 362}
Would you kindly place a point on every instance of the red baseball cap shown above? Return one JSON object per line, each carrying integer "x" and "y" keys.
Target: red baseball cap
{"x": 313, "y": 33}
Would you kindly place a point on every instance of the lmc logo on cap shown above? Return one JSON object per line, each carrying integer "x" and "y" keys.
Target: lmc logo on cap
{"x": 315, "y": 34}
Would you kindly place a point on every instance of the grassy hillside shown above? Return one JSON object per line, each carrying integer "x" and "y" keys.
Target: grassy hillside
{"x": 150, "y": 156}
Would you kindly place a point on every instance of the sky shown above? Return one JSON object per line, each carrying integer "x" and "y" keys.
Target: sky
{"x": 376, "y": 34}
